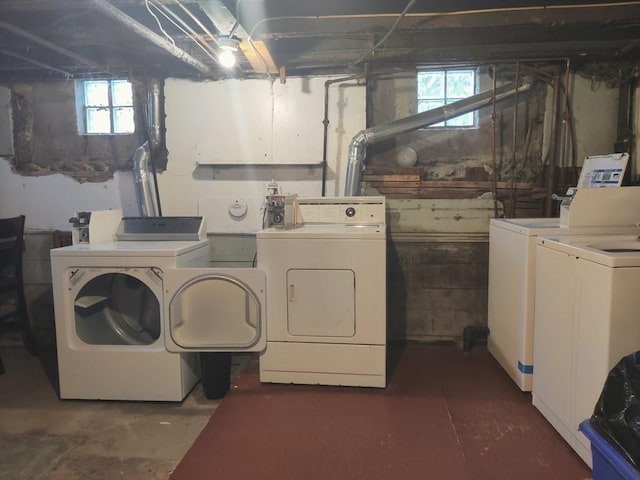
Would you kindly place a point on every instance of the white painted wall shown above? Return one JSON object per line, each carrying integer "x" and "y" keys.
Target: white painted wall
{"x": 595, "y": 115}
{"x": 228, "y": 140}
{"x": 594, "y": 111}
{"x": 216, "y": 122}
{"x": 49, "y": 201}
{"x": 278, "y": 126}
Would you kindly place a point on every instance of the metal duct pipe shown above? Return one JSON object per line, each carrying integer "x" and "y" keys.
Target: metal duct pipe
{"x": 118, "y": 15}
{"x": 144, "y": 172}
{"x": 155, "y": 114}
{"x": 358, "y": 145}
{"x": 145, "y": 191}
{"x": 155, "y": 132}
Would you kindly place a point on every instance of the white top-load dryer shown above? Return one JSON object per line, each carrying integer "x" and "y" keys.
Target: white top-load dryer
{"x": 512, "y": 270}
{"x": 132, "y": 312}
{"x": 326, "y": 295}
{"x": 586, "y": 319}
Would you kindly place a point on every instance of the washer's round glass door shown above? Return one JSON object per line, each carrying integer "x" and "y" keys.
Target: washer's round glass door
{"x": 117, "y": 309}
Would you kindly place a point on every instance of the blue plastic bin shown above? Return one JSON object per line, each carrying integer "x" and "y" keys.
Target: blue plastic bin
{"x": 608, "y": 464}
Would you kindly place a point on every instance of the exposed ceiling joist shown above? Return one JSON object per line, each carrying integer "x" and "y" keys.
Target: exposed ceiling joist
{"x": 118, "y": 15}
{"x": 179, "y": 37}
{"x": 255, "y": 51}
{"x": 45, "y": 43}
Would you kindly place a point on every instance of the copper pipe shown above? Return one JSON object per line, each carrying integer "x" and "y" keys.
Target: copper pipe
{"x": 551, "y": 172}
{"x": 563, "y": 134}
{"x": 512, "y": 193}
{"x": 494, "y": 162}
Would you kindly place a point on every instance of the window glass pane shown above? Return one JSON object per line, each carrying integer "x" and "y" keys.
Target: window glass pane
{"x": 98, "y": 120}
{"x": 460, "y": 83}
{"x": 424, "y": 105}
{"x": 435, "y": 88}
{"x": 466, "y": 120}
{"x": 430, "y": 85}
{"x": 123, "y": 120}
{"x": 121, "y": 93}
{"x": 107, "y": 106}
{"x": 96, "y": 93}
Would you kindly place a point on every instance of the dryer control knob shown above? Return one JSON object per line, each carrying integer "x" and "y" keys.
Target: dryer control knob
{"x": 350, "y": 212}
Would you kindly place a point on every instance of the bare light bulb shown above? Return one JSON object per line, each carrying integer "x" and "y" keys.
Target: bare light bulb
{"x": 227, "y": 59}
{"x": 228, "y": 47}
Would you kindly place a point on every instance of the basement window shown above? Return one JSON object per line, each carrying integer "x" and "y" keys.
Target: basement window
{"x": 104, "y": 107}
{"x": 440, "y": 87}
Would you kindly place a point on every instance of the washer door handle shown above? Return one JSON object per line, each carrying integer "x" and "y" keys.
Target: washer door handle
{"x": 292, "y": 292}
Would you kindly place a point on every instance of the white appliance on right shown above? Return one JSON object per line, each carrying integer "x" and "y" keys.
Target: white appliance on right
{"x": 587, "y": 210}
{"x": 586, "y": 319}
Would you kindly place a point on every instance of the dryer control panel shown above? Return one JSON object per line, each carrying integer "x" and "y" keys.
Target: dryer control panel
{"x": 161, "y": 229}
{"x": 94, "y": 227}
{"x": 340, "y": 210}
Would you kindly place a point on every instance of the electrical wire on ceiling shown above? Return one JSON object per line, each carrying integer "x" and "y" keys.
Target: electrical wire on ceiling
{"x": 67, "y": 17}
{"x": 196, "y": 20}
{"x": 273, "y": 19}
{"x": 387, "y": 35}
{"x": 362, "y": 57}
{"x": 478, "y": 11}
{"x": 200, "y": 24}
{"x": 233, "y": 28}
{"x": 168, "y": 37}
{"x": 181, "y": 25}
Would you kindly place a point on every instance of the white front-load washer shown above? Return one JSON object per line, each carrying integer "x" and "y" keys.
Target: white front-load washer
{"x": 512, "y": 281}
{"x": 131, "y": 316}
{"x": 326, "y": 296}
{"x": 586, "y": 320}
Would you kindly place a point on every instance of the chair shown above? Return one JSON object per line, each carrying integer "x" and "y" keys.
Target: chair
{"x": 13, "y": 306}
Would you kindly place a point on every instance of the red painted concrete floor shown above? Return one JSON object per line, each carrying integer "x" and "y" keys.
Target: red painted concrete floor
{"x": 444, "y": 415}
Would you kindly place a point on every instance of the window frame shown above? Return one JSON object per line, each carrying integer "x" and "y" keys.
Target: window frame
{"x": 448, "y": 99}
{"x": 82, "y": 107}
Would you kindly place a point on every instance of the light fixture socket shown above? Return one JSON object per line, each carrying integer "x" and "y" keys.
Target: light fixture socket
{"x": 228, "y": 43}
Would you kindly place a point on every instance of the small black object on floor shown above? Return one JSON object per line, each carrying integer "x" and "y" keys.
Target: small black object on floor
{"x": 473, "y": 334}
{"x": 216, "y": 374}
